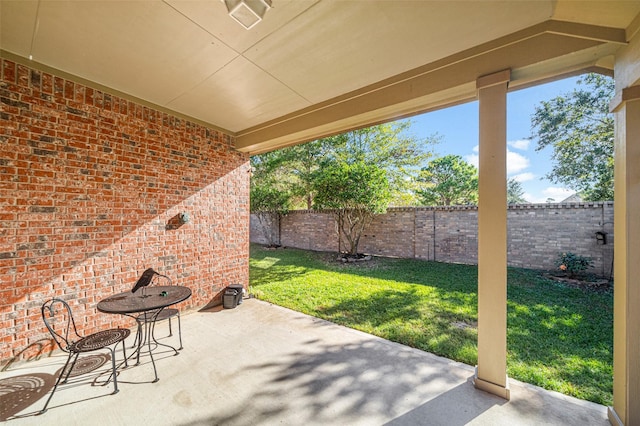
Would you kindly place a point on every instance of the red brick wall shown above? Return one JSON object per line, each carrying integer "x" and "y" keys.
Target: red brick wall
{"x": 90, "y": 187}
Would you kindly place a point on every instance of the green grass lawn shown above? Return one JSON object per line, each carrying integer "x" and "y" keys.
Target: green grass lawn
{"x": 558, "y": 337}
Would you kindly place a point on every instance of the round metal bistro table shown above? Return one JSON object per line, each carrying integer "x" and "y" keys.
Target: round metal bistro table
{"x": 149, "y": 301}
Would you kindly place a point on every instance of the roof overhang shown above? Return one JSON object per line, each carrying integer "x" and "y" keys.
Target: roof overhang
{"x": 311, "y": 68}
{"x": 545, "y": 52}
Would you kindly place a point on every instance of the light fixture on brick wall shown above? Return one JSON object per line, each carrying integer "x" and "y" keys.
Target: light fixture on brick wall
{"x": 183, "y": 218}
{"x": 601, "y": 237}
{"x": 247, "y": 12}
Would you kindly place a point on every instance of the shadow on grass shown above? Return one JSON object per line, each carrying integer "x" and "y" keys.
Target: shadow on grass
{"x": 406, "y": 317}
{"x": 562, "y": 339}
{"x": 383, "y": 308}
{"x": 559, "y": 338}
{"x": 267, "y": 267}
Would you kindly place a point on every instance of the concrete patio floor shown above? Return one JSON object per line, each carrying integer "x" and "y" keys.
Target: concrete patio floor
{"x": 261, "y": 364}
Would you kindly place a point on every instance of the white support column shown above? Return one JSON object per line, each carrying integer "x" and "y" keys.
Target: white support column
{"x": 491, "y": 372}
{"x": 626, "y": 308}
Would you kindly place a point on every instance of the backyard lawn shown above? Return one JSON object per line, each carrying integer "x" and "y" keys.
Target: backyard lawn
{"x": 558, "y": 337}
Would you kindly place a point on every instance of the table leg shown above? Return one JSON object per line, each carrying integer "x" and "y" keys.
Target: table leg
{"x": 145, "y": 323}
{"x": 150, "y": 325}
{"x": 153, "y": 336}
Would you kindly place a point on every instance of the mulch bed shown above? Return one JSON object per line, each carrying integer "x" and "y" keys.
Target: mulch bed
{"x": 596, "y": 285}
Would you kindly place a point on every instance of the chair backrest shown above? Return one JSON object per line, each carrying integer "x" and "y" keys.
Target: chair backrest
{"x": 160, "y": 279}
{"x": 57, "y": 316}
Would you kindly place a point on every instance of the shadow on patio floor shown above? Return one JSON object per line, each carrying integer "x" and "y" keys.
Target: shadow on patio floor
{"x": 260, "y": 364}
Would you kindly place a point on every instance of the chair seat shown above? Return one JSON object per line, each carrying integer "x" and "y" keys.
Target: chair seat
{"x": 58, "y": 318}
{"x": 99, "y": 340}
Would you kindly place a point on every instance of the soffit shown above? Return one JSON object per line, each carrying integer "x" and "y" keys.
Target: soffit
{"x": 616, "y": 14}
{"x": 305, "y": 58}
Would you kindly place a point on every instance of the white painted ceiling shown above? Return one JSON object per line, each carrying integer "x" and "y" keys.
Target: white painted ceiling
{"x": 189, "y": 56}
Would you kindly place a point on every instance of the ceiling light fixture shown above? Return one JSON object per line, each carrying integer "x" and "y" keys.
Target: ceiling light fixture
{"x": 247, "y": 12}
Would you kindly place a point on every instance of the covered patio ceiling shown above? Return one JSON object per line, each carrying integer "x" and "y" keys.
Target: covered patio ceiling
{"x": 312, "y": 67}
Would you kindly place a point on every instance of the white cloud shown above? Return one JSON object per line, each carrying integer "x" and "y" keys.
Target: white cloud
{"x": 516, "y": 162}
{"x": 521, "y": 144}
{"x": 558, "y": 194}
{"x": 523, "y": 177}
{"x": 472, "y": 159}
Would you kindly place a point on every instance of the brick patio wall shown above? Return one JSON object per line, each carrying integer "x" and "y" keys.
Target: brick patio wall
{"x": 91, "y": 186}
{"x": 537, "y": 233}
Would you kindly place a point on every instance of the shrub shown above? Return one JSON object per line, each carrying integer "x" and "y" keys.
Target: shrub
{"x": 573, "y": 264}
{"x": 354, "y": 193}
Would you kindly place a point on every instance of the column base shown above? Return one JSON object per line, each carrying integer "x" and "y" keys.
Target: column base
{"x": 613, "y": 417}
{"x": 501, "y": 391}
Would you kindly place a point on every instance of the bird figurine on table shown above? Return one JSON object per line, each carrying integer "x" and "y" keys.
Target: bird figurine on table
{"x": 144, "y": 280}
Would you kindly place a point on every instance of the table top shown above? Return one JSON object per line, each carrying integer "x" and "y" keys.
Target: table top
{"x": 128, "y": 302}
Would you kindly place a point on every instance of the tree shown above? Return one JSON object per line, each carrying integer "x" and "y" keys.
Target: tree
{"x": 269, "y": 204}
{"x": 354, "y": 193}
{"x": 579, "y": 129}
{"x": 449, "y": 180}
{"x": 391, "y": 148}
{"x": 269, "y": 197}
{"x": 515, "y": 193}
{"x": 302, "y": 163}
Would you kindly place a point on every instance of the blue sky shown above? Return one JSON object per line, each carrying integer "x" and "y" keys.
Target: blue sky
{"x": 458, "y": 127}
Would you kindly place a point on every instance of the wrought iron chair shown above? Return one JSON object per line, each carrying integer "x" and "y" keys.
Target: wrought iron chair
{"x": 151, "y": 277}
{"x": 58, "y": 318}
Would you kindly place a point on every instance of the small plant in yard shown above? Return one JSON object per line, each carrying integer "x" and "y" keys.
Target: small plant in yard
{"x": 573, "y": 264}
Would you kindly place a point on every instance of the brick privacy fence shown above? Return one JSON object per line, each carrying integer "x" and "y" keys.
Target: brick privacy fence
{"x": 91, "y": 187}
{"x": 536, "y": 233}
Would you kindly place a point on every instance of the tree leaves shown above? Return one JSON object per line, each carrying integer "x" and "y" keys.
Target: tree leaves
{"x": 579, "y": 129}
{"x": 449, "y": 180}
{"x": 354, "y": 193}
{"x": 515, "y": 193}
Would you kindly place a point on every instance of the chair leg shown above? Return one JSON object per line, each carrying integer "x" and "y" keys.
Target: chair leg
{"x": 138, "y": 335}
{"x": 73, "y": 364}
{"x": 124, "y": 354}
{"x": 139, "y": 340}
{"x": 150, "y": 329}
{"x": 46, "y": 404}
{"x": 113, "y": 365}
{"x": 115, "y": 369}
{"x": 179, "y": 332}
